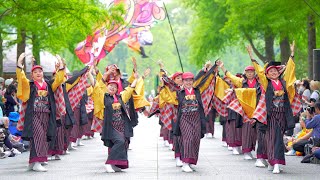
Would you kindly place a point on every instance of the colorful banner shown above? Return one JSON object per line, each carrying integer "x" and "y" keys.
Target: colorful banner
{"x": 140, "y": 16}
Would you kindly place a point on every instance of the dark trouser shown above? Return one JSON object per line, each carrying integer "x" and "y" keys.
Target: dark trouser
{"x": 210, "y": 123}
{"x": 190, "y": 127}
{"x": 249, "y": 137}
{"x": 317, "y": 153}
{"x": 299, "y": 146}
{"x": 118, "y": 154}
{"x": 38, "y": 145}
{"x": 274, "y": 135}
{"x": 7, "y": 142}
{"x": 262, "y": 145}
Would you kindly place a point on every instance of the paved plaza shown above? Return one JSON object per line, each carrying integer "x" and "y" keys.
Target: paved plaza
{"x": 149, "y": 159}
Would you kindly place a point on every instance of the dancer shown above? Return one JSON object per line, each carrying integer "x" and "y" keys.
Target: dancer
{"x": 168, "y": 104}
{"x": 40, "y": 120}
{"x": 249, "y": 83}
{"x": 117, "y": 127}
{"x": 280, "y": 93}
{"x": 191, "y": 122}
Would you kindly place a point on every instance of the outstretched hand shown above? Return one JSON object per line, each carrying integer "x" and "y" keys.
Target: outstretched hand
{"x": 249, "y": 49}
{"x": 147, "y": 72}
{"x": 20, "y": 60}
{"x": 292, "y": 46}
{"x": 134, "y": 62}
{"x": 161, "y": 64}
{"x": 207, "y": 66}
{"x": 60, "y": 63}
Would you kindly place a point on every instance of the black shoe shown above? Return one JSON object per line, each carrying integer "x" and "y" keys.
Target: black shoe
{"x": 307, "y": 158}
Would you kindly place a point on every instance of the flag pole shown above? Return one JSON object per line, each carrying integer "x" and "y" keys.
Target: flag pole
{"x": 174, "y": 38}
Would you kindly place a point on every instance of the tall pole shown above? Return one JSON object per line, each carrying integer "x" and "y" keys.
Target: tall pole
{"x": 174, "y": 38}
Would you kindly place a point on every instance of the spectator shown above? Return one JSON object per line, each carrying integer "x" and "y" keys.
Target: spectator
{"x": 306, "y": 93}
{"x": 5, "y": 139}
{"x": 11, "y": 100}
{"x": 314, "y": 86}
{"x": 7, "y": 82}
{"x": 14, "y": 118}
{"x": 304, "y": 134}
{"x": 3, "y": 153}
{"x": 1, "y": 86}
{"x": 311, "y": 123}
{"x": 316, "y": 153}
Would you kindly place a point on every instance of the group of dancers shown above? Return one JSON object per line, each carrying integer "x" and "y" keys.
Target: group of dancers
{"x": 256, "y": 107}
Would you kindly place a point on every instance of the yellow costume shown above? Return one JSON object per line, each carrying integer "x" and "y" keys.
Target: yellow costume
{"x": 23, "y": 89}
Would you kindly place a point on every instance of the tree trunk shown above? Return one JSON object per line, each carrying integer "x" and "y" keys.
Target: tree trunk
{"x": 36, "y": 48}
{"x": 284, "y": 48}
{"x": 311, "y": 44}
{"x": 269, "y": 51}
{"x": 21, "y": 46}
{"x": 269, "y": 41}
{"x": 1, "y": 55}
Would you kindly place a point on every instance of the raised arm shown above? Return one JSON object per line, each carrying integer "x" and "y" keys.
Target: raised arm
{"x": 99, "y": 89}
{"x": 201, "y": 74}
{"x": 59, "y": 78}
{"x": 259, "y": 70}
{"x": 127, "y": 92}
{"x": 234, "y": 79}
{"x": 23, "y": 90}
{"x": 289, "y": 74}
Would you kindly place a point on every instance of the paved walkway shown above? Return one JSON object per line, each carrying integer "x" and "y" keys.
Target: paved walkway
{"x": 149, "y": 159}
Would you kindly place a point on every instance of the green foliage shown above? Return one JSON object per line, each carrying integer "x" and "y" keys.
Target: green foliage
{"x": 58, "y": 24}
{"x": 222, "y": 25}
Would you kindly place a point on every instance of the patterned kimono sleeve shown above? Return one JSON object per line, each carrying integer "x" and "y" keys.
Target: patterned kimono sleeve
{"x": 290, "y": 77}
{"x": 58, "y": 80}
{"x": 170, "y": 83}
{"x": 261, "y": 74}
{"x": 23, "y": 90}
{"x": 139, "y": 99}
{"x": 235, "y": 80}
{"x": 98, "y": 98}
{"x": 126, "y": 94}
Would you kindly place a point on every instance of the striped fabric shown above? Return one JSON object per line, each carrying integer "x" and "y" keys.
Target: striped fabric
{"x": 206, "y": 97}
{"x": 262, "y": 145}
{"x": 233, "y": 134}
{"x": 97, "y": 125}
{"x": 58, "y": 147}
{"x": 296, "y": 104}
{"x": 76, "y": 131}
{"x": 249, "y": 138}
{"x": 20, "y": 124}
{"x": 190, "y": 126}
{"x": 75, "y": 94}
{"x": 60, "y": 103}
{"x": 168, "y": 113}
{"x": 39, "y": 142}
{"x": 274, "y": 135}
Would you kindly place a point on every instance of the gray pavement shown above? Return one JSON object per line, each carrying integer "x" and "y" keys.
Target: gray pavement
{"x": 149, "y": 159}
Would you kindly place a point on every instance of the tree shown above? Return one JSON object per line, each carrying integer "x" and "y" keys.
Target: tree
{"x": 268, "y": 26}
{"x": 55, "y": 25}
